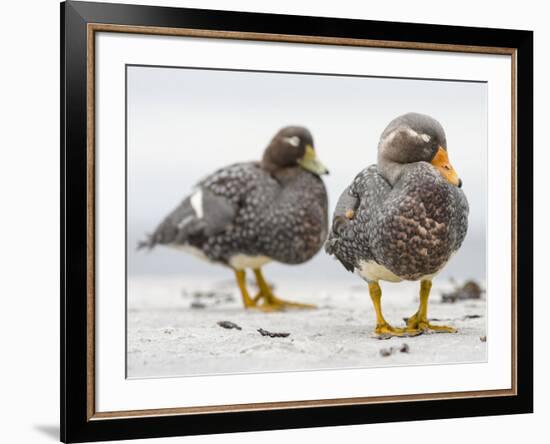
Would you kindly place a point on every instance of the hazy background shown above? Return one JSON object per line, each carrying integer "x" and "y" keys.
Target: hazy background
{"x": 185, "y": 123}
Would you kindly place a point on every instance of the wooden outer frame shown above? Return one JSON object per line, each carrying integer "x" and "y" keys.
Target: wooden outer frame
{"x": 92, "y": 29}
{"x": 80, "y": 22}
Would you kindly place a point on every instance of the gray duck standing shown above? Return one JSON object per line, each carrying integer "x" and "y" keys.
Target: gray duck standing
{"x": 403, "y": 218}
{"x": 248, "y": 214}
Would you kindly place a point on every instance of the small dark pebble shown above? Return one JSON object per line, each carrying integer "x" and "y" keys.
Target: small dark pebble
{"x": 385, "y": 352}
{"x": 483, "y": 338}
{"x": 211, "y": 294}
{"x": 229, "y": 324}
{"x": 271, "y": 334}
{"x": 204, "y": 294}
{"x": 197, "y": 304}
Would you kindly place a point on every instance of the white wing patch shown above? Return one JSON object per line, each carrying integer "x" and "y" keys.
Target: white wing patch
{"x": 196, "y": 203}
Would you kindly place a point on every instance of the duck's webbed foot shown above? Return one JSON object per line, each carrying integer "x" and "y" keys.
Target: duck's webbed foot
{"x": 386, "y": 331}
{"x": 418, "y": 323}
{"x": 267, "y": 301}
{"x": 270, "y": 302}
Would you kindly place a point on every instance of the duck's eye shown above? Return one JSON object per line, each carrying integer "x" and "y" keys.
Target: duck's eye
{"x": 293, "y": 140}
{"x": 447, "y": 167}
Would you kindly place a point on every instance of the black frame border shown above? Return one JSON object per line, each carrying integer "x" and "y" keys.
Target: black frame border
{"x": 75, "y": 425}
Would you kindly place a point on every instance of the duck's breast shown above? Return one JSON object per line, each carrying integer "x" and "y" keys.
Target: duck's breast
{"x": 295, "y": 224}
{"x": 422, "y": 222}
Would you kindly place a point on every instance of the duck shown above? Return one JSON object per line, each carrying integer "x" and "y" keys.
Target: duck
{"x": 402, "y": 218}
{"x": 246, "y": 215}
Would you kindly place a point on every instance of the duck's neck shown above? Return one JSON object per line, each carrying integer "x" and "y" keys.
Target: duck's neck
{"x": 268, "y": 164}
{"x": 389, "y": 169}
{"x": 289, "y": 175}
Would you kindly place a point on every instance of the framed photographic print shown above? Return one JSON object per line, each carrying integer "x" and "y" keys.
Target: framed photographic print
{"x": 275, "y": 221}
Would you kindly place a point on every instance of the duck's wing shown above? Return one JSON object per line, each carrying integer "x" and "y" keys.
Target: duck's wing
{"x": 208, "y": 211}
{"x": 367, "y": 190}
{"x": 354, "y": 209}
{"x": 346, "y": 206}
{"x": 370, "y": 187}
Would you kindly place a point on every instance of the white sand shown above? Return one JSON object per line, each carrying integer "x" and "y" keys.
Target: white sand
{"x": 167, "y": 337}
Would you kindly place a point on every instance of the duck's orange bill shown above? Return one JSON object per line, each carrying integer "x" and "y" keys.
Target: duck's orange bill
{"x": 441, "y": 162}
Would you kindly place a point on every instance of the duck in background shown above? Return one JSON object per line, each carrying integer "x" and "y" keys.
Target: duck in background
{"x": 248, "y": 214}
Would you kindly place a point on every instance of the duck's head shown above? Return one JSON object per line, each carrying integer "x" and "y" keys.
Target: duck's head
{"x": 292, "y": 146}
{"x": 411, "y": 138}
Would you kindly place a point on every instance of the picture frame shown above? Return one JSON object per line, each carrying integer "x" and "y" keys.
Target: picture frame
{"x": 81, "y": 22}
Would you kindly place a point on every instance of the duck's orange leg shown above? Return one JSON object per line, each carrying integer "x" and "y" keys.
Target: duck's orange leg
{"x": 240, "y": 275}
{"x": 418, "y": 323}
{"x": 383, "y": 329}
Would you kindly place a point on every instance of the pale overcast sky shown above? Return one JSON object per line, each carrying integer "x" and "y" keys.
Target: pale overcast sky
{"x": 185, "y": 123}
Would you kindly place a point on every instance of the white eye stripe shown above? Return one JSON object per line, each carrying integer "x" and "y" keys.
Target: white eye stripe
{"x": 424, "y": 137}
{"x": 407, "y": 132}
{"x": 293, "y": 140}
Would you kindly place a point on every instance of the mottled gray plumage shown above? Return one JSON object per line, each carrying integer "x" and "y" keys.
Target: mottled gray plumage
{"x": 410, "y": 223}
{"x": 272, "y": 208}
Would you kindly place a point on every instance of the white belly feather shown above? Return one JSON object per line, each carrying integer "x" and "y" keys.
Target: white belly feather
{"x": 371, "y": 271}
{"x": 242, "y": 261}
{"x": 238, "y": 261}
